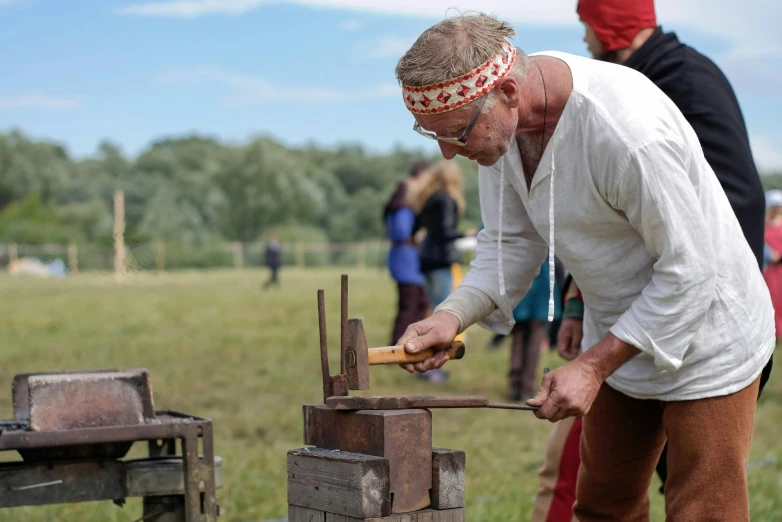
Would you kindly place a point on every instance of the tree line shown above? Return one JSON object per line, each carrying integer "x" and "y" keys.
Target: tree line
{"x": 196, "y": 190}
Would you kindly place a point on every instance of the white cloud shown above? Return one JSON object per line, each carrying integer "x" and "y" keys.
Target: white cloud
{"x": 252, "y": 90}
{"x": 747, "y": 23}
{"x": 190, "y": 8}
{"x": 351, "y": 25}
{"x": 38, "y": 102}
{"x": 752, "y": 24}
{"x": 767, "y": 153}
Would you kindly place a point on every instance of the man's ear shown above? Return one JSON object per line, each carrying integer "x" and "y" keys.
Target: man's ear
{"x": 510, "y": 92}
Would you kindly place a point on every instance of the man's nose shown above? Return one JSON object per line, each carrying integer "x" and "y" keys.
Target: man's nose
{"x": 448, "y": 150}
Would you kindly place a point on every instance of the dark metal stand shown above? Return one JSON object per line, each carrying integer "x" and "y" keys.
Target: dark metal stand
{"x": 174, "y": 488}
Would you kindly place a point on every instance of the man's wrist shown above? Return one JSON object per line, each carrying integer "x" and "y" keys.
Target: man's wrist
{"x": 608, "y": 355}
{"x": 451, "y": 319}
{"x": 468, "y": 305}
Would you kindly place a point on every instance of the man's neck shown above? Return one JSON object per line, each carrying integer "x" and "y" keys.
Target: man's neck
{"x": 548, "y": 87}
{"x": 643, "y": 35}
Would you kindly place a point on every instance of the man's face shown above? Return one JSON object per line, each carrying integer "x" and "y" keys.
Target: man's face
{"x": 593, "y": 43}
{"x": 488, "y": 140}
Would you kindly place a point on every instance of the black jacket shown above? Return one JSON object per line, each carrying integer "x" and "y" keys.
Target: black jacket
{"x": 703, "y": 94}
{"x": 273, "y": 254}
{"x": 439, "y": 217}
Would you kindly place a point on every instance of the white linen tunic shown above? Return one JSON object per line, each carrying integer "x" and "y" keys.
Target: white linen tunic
{"x": 644, "y": 226}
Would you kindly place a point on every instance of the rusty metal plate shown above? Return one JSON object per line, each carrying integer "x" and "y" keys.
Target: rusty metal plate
{"x": 402, "y": 403}
{"x": 403, "y": 437}
{"x": 405, "y": 403}
{"x": 68, "y": 400}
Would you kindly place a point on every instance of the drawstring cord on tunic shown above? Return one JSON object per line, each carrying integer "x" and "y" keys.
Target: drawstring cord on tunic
{"x": 552, "y": 248}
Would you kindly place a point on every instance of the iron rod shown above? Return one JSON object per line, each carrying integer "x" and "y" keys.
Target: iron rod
{"x": 324, "y": 348}
{"x": 511, "y": 406}
{"x": 343, "y": 322}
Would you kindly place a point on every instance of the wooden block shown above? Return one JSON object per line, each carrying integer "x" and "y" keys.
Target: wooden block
{"x": 403, "y": 437}
{"x": 349, "y": 484}
{"x": 302, "y": 514}
{"x": 446, "y": 515}
{"x": 448, "y": 478}
{"x": 429, "y": 515}
{"x": 407, "y": 517}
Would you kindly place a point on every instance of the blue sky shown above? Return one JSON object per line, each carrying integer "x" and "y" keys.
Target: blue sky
{"x": 303, "y": 71}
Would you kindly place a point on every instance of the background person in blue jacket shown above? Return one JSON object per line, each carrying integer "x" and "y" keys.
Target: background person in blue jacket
{"x": 437, "y": 197}
{"x": 403, "y": 262}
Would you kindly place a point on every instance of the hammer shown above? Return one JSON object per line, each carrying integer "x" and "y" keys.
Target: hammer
{"x": 358, "y": 358}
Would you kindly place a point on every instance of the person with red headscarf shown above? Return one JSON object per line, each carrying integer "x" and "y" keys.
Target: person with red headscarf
{"x": 626, "y": 32}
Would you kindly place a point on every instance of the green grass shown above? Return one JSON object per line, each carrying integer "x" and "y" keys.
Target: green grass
{"x": 218, "y": 346}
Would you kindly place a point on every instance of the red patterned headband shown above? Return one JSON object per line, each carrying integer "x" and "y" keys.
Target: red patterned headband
{"x": 452, "y": 94}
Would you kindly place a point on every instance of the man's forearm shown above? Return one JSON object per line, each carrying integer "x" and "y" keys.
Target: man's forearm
{"x": 608, "y": 355}
{"x": 469, "y": 305}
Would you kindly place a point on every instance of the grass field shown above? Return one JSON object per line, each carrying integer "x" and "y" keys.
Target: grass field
{"x": 218, "y": 346}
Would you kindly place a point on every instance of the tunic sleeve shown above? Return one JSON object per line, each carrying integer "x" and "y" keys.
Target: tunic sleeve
{"x": 655, "y": 193}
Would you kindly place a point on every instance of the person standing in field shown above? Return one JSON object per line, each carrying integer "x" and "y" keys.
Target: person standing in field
{"x": 273, "y": 260}
{"x": 437, "y": 196}
{"x": 403, "y": 263}
{"x": 626, "y": 32}
{"x": 591, "y": 162}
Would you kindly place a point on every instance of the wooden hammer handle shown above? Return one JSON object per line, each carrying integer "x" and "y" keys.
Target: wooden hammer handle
{"x": 398, "y": 355}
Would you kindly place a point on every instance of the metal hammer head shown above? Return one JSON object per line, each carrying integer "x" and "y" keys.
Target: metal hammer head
{"x": 356, "y": 356}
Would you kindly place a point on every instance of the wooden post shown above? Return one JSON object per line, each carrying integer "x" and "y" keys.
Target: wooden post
{"x": 447, "y": 478}
{"x": 300, "y": 254}
{"x": 238, "y": 255}
{"x": 73, "y": 258}
{"x": 120, "y": 254}
{"x": 160, "y": 256}
{"x": 13, "y": 253}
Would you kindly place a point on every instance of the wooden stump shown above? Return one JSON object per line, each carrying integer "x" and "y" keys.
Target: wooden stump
{"x": 351, "y": 484}
{"x": 300, "y": 514}
{"x": 447, "y": 478}
{"x": 339, "y": 486}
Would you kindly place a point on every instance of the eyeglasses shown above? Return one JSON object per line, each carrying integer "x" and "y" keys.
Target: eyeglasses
{"x": 461, "y": 141}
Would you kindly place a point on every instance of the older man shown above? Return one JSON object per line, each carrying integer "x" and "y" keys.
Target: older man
{"x": 593, "y": 163}
{"x": 626, "y": 32}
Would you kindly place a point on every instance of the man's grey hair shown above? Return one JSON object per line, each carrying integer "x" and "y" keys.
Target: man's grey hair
{"x": 454, "y": 47}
